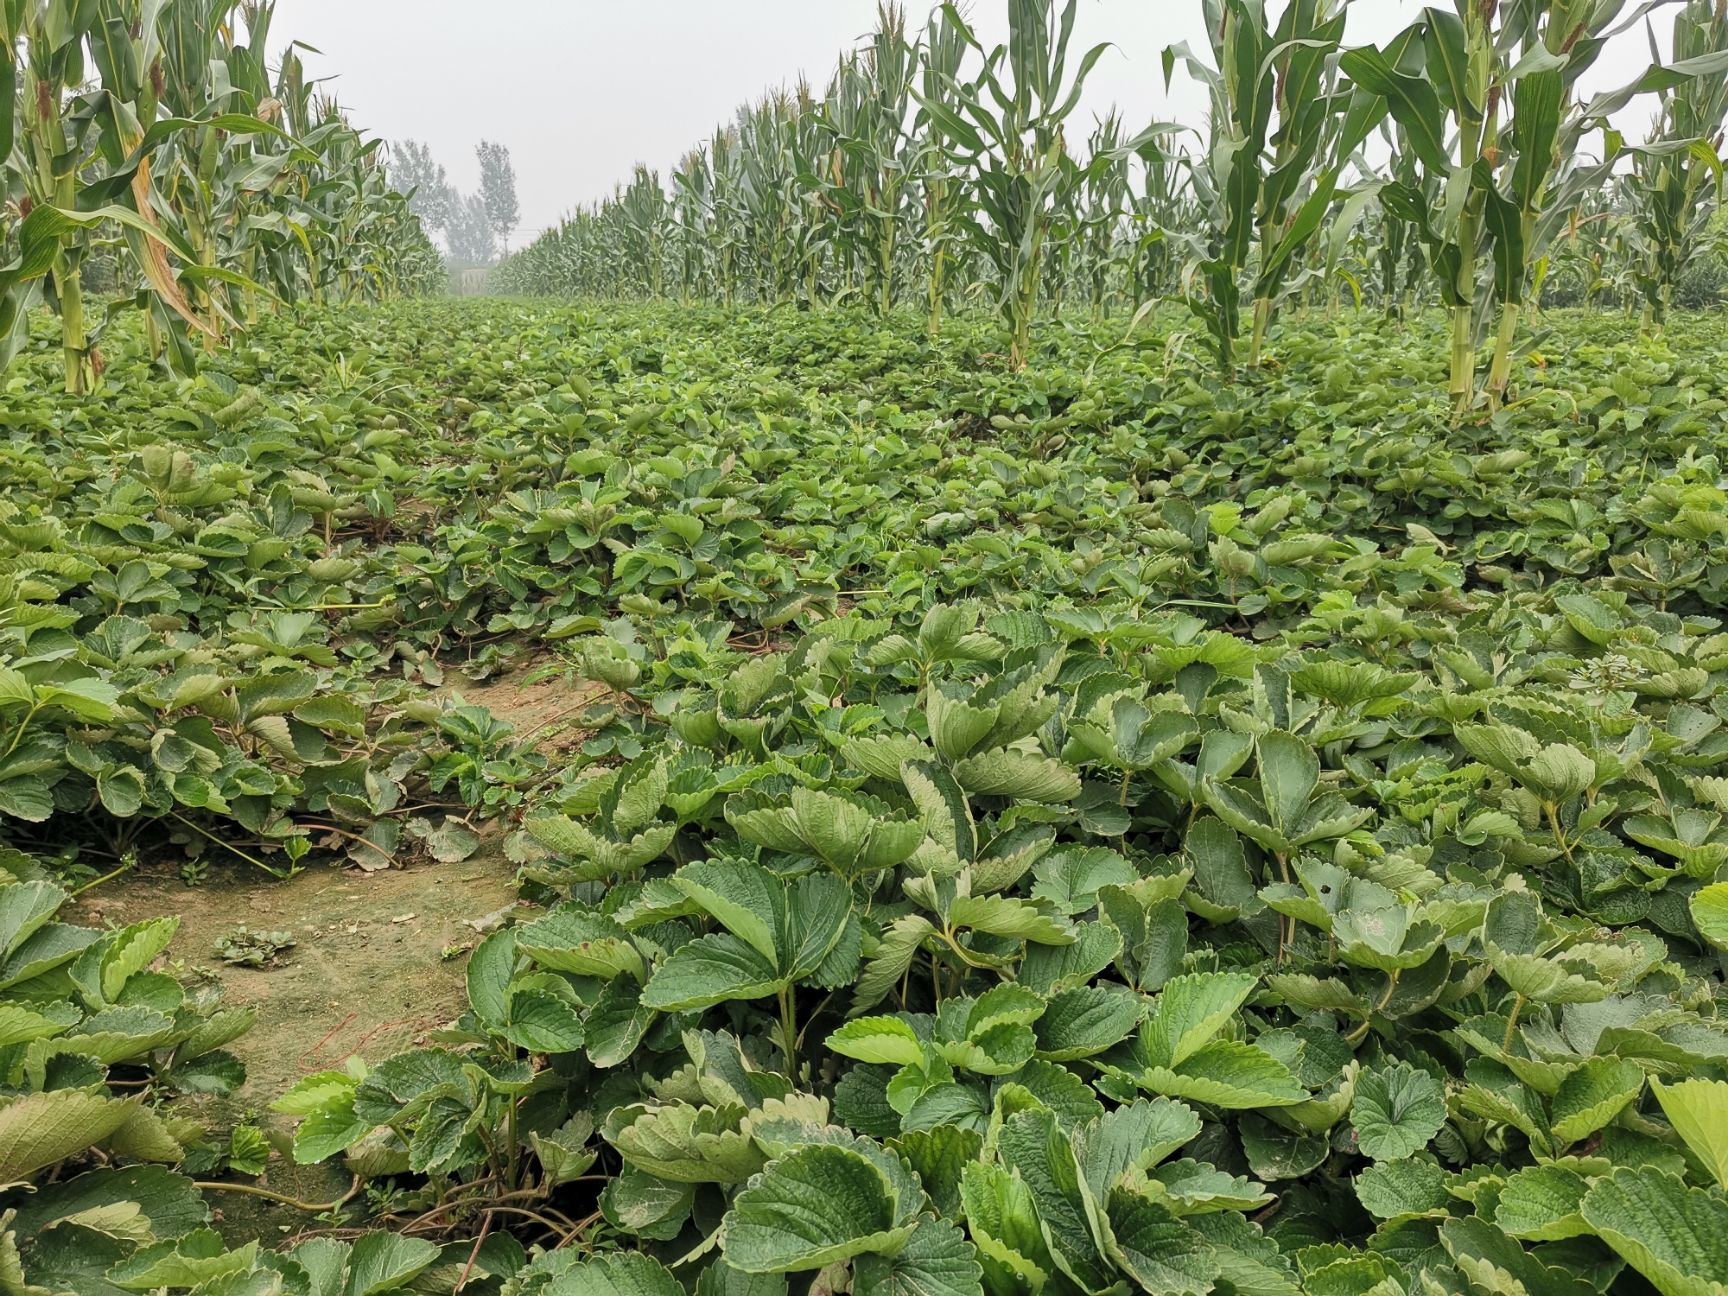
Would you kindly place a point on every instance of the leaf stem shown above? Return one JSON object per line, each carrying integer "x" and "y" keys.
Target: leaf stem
{"x": 960, "y": 952}
{"x": 1559, "y": 836}
{"x": 1512, "y": 1022}
{"x": 1286, "y": 924}
{"x": 1361, "y": 1032}
{"x": 789, "y": 1031}
{"x": 129, "y": 863}
{"x": 18, "y": 734}
{"x": 514, "y": 1153}
{"x": 278, "y": 874}
{"x": 252, "y": 1190}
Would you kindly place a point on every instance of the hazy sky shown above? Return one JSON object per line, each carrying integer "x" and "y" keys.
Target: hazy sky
{"x": 581, "y": 90}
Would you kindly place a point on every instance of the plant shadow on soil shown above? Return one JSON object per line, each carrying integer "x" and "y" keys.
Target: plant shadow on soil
{"x": 379, "y": 961}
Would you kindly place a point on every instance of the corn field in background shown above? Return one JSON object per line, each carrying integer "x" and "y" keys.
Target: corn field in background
{"x": 1462, "y": 165}
{"x": 152, "y": 137}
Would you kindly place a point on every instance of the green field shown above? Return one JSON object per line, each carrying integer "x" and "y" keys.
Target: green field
{"x": 959, "y": 692}
{"x": 1082, "y": 821}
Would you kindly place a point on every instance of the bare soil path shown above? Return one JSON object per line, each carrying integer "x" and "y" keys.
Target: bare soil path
{"x": 378, "y": 960}
{"x": 376, "y": 966}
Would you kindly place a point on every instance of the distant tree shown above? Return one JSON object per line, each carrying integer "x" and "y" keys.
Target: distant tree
{"x": 498, "y": 189}
{"x": 470, "y": 234}
{"x": 412, "y": 167}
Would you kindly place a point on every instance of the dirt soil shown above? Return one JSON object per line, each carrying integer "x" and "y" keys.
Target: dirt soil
{"x": 376, "y": 966}
{"x": 378, "y": 961}
{"x": 368, "y": 973}
{"x": 543, "y": 710}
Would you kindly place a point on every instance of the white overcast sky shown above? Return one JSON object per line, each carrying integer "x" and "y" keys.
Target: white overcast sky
{"x": 581, "y": 90}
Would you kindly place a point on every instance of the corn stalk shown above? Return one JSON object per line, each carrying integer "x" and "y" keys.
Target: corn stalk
{"x": 1677, "y": 178}
{"x": 864, "y": 179}
{"x": 1281, "y": 129}
{"x": 1500, "y": 78}
{"x": 940, "y": 168}
{"x": 153, "y": 118}
{"x": 1008, "y": 123}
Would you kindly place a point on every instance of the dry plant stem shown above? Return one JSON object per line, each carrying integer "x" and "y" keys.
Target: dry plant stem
{"x": 560, "y": 1226}
{"x": 485, "y": 1228}
{"x": 318, "y": 1048}
{"x": 581, "y": 1227}
{"x": 351, "y": 836}
{"x": 492, "y": 1203}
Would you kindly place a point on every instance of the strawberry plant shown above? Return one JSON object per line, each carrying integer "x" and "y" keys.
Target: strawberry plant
{"x": 1105, "y": 830}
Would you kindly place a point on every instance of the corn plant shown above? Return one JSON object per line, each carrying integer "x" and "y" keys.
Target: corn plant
{"x": 159, "y": 120}
{"x": 1676, "y": 180}
{"x": 1009, "y": 123}
{"x": 90, "y": 149}
{"x": 1500, "y": 80}
{"x": 940, "y": 169}
{"x": 864, "y": 178}
{"x": 75, "y": 151}
{"x": 1398, "y": 255}
{"x": 1160, "y": 209}
{"x": 1106, "y": 188}
{"x": 642, "y": 211}
{"x": 1590, "y": 246}
{"x": 44, "y": 49}
{"x": 768, "y": 192}
{"x": 1435, "y": 78}
{"x": 692, "y": 215}
{"x": 1279, "y": 135}
{"x": 18, "y": 291}
{"x": 929, "y": 159}
{"x": 1546, "y": 47}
